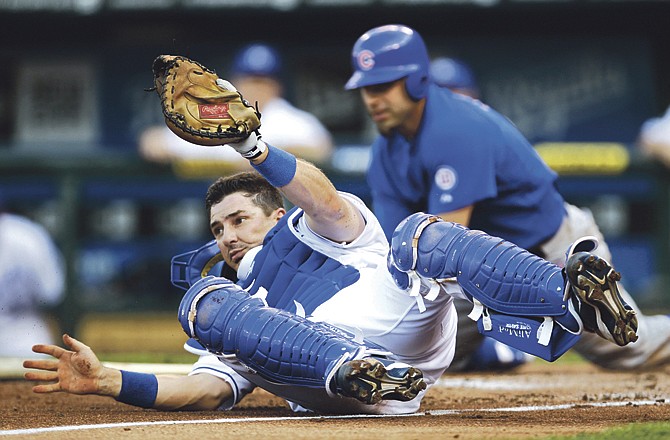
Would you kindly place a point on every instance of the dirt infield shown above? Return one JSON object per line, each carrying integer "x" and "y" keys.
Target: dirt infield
{"x": 535, "y": 401}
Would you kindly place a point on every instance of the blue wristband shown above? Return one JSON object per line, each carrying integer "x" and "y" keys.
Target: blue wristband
{"x": 138, "y": 389}
{"x": 278, "y": 168}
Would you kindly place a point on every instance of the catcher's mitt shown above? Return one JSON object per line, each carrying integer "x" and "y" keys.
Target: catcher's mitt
{"x": 198, "y": 106}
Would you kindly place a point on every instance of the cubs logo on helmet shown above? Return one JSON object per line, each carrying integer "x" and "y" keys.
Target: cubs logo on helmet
{"x": 366, "y": 60}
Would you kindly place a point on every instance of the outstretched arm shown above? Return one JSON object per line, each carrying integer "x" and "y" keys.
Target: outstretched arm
{"x": 78, "y": 371}
{"x": 221, "y": 116}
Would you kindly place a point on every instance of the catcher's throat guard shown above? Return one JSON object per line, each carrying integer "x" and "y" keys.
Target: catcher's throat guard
{"x": 200, "y": 107}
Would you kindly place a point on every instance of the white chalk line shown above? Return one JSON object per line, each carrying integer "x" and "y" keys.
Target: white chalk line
{"x": 431, "y": 413}
{"x": 488, "y": 384}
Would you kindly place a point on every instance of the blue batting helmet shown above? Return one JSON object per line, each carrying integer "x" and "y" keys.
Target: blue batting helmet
{"x": 453, "y": 74}
{"x": 389, "y": 53}
{"x": 257, "y": 59}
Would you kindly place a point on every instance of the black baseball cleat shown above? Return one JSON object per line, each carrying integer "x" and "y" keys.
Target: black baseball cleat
{"x": 602, "y": 309}
{"x": 372, "y": 380}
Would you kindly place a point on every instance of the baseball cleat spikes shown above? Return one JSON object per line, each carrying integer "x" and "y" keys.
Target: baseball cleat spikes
{"x": 372, "y": 380}
{"x": 601, "y": 307}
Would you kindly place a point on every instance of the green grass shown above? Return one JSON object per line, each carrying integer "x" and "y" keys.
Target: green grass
{"x": 646, "y": 431}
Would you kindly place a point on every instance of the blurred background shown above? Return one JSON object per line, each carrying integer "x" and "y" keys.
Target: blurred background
{"x": 578, "y": 77}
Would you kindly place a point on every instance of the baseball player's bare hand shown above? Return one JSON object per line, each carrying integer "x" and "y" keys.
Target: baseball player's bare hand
{"x": 76, "y": 371}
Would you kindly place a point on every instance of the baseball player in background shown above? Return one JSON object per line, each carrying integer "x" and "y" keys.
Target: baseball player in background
{"x": 312, "y": 305}
{"x": 654, "y": 138}
{"x": 453, "y": 156}
{"x": 32, "y": 281}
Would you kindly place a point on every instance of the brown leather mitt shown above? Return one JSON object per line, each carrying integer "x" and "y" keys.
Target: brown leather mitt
{"x": 200, "y": 107}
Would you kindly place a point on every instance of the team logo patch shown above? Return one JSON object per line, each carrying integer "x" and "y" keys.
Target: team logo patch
{"x": 445, "y": 178}
{"x": 213, "y": 111}
{"x": 366, "y": 60}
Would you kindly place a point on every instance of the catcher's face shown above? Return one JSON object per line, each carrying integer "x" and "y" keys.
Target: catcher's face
{"x": 391, "y": 108}
{"x": 239, "y": 225}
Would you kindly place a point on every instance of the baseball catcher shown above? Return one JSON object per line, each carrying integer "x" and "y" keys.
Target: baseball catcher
{"x": 312, "y": 312}
{"x": 204, "y": 109}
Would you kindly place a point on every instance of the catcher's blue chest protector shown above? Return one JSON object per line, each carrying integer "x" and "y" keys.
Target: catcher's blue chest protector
{"x": 292, "y": 272}
{"x": 288, "y": 269}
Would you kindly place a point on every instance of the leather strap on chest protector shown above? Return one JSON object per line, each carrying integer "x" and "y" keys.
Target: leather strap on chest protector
{"x": 291, "y": 271}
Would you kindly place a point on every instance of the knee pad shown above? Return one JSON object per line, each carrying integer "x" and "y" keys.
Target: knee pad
{"x": 208, "y": 309}
{"x": 404, "y": 249}
{"x": 497, "y": 273}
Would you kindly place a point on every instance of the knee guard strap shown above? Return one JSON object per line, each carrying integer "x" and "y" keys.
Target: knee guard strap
{"x": 279, "y": 346}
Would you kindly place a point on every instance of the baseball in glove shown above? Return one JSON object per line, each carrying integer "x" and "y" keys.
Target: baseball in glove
{"x": 200, "y": 107}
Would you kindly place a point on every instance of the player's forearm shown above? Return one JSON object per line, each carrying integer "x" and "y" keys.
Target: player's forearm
{"x": 328, "y": 214}
{"x": 311, "y": 190}
{"x": 202, "y": 392}
{"x": 164, "y": 392}
{"x": 304, "y": 185}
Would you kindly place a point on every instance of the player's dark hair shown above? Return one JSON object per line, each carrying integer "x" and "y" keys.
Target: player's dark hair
{"x": 249, "y": 183}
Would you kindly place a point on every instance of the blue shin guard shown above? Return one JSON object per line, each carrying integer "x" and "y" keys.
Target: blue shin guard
{"x": 517, "y": 295}
{"x": 280, "y": 346}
